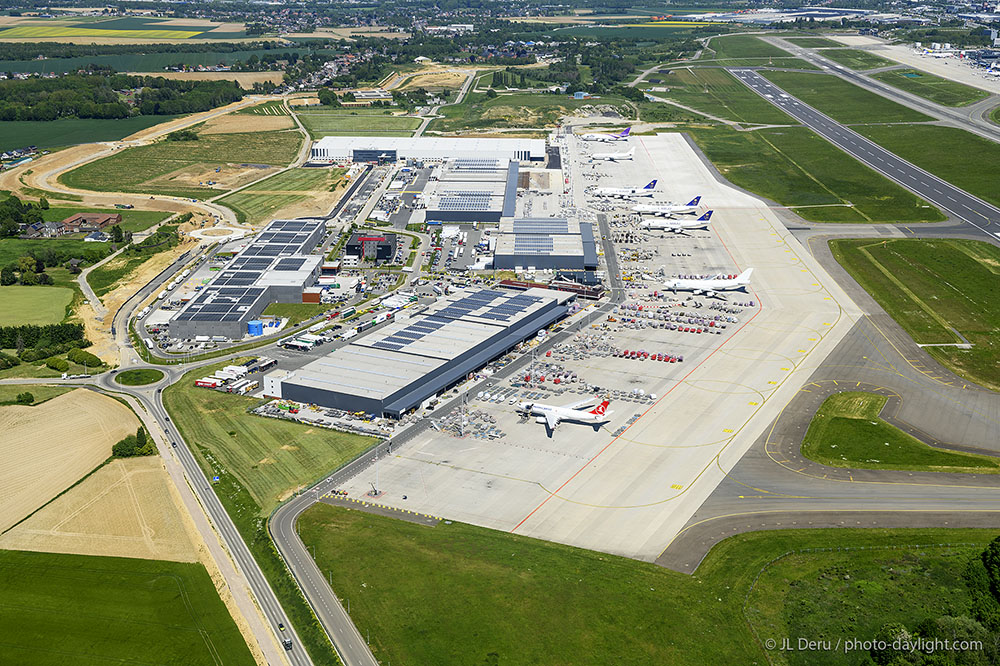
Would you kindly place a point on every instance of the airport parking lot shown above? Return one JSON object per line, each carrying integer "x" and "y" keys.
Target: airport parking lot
{"x": 630, "y": 493}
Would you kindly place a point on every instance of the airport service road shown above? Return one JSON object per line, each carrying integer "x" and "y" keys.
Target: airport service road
{"x": 631, "y": 493}
{"x": 958, "y": 202}
{"x": 773, "y": 487}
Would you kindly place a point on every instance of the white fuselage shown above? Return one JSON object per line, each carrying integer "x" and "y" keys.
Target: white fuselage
{"x": 665, "y": 210}
{"x": 710, "y": 286}
{"x": 674, "y": 225}
{"x": 622, "y": 192}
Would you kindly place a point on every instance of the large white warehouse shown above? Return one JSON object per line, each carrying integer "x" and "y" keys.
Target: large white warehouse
{"x": 331, "y": 149}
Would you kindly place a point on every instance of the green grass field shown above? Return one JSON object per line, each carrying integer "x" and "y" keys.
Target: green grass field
{"x": 517, "y": 110}
{"x": 931, "y": 286}
{"x": 132, "y": 220}
{"x": 856, "y": 59}
{"x": 170, "y": 167}
{"x": 77, "y": 609}
{"x": 40, "y": 392}
{"x": 934, "y": 88}
{"x": 71, "y": 131}
{"x": 717, "y": 92}
{"x": 275, "y": 108}
{"x": 797, "y": 168}
{"x": 745, "y": 46}
{"x": 841, "y": 100}
{"x": 812, "y": 42}
{"x": 139, "y": 377}
{"x": 104, "y": 278}
{"x": 139, "y": 62}
{"x": 847, "y": 432}
{"x": 12, "y": 248}
{"x": 33, "y": 305}
{"x": 841, "y": 595}
{"x": 296, "y": 312}
{"x": 510, "y": 599}
{"x": 38, "y": 369}
{"x": 333, "y": 122}
{"x": 258, "y": 202}
{"x": 270, "y": 457}
{"x": 947, "y": 152}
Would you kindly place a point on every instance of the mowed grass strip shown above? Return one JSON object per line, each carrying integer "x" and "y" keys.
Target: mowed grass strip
{"x": 841, "y": 100}
{"x": 962, "y": 158}
{"x": 33, "y": 305}
{"x": 143, "y": 169}
{"x": 40, "y": 392}
{"x": 745, "y": 46}
{"x": 257, "y": 202}
{"x": 812, "y": 42}
{"x": 270, "y": 457}
{"x": 934, "y": 88}
{"x": 847, "y": 432}
{"x": 931, "y": 286}
{"x": 797, "y": 168}
{"x": 139, "y": 376}
{"x": 479, "y": 596}
{"x": 856, "y": 59}
{"x": 319, "y": 123}
{"x": 78, "y": 609}
{"x": 717, "y": 92}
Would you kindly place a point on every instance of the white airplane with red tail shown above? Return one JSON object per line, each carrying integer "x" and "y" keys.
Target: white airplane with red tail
{"x": 553, "y": 415}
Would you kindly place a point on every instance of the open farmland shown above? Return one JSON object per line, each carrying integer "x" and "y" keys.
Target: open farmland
{"x": 183, "y": 168}
{"x": 445, "y": 80}
{"x": 138, "y": 62}
{"x": 797, "y": 168}
{"x": 33, "y": 33}
{"x": 12, "y": 248}
{"x": 717, "y": 92}
{"x": 86, "y": 611}
{"x": 33, "y": 305}
{"x": 932, "y": 286}
{"x": 47, "y": 448}
{"x": 934, "y": 88}
{"x": 313, "y": 189}
{"x": 340, "y": 122}
{"x": 132, "y": 220}
{"x": 841, "y": 100}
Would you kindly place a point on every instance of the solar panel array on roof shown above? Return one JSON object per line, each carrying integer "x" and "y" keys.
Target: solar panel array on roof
{"x": 221, "y": 304}
{"x": 290, "y": 264}
{"x": 533, "y": 245}
{"x": 541, "y": 226}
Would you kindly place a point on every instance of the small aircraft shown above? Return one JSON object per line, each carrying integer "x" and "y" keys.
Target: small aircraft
{"x": 678, "y": 226}
{"x": 626, "y": 192}
{"x": 669, "y": 209}
{"x": 552, "y": 415}
{"x": 613, "y": 157}
{"x": 711, "y": 286}
{"x": 603, "y": 136}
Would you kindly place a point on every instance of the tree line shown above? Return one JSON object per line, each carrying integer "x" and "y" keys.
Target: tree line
{"x": 35, "y": 335}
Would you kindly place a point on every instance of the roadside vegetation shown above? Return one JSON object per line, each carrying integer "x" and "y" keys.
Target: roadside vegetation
{"x": 82, "y": 609}
{"x": 296, "y": 312}
{"x": 856, "y": 59}
{"x": 260, "y": 462}
{"x": 847, "y": 432}
{"x": 933, "y": 288}
{"x": 607, "y": 605}
{"x": 112, "y": 273}
{"x": 797, "y": 168}
{"x": 477, "y": 111}
{"x": 139, "y": 377}
{"x": 842, "y": 100}
{"x": 14, "y": 394}
{"x": 934, "y": 88}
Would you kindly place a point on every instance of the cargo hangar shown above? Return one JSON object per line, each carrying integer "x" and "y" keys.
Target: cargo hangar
{"x": 331, "y": 149}
{"x": 274, "y": 267}
{"x": 396, "y": 368}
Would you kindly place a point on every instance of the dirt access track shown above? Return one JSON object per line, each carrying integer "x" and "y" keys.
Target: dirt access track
{"x": 46, "y": 449}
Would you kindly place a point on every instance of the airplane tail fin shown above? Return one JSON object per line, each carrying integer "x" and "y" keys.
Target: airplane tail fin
{"x": 706, "y": 217}
{"x": 601, "y": 408}
{"x": 624, "y": 132}
{"x": 695, "y": 201}
{"x": 745, "y": 275}
{"x": 631, "y": 152}
{"x": 651, "y": 185}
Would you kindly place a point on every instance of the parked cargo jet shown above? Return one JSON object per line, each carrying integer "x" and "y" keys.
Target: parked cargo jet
{"x": 613, "y": 157}
{"x": 669, "y": 209}
{"x": 603, "y": 136}
{"x": 711, "y": 286}
{"x": 552, "y": 415}
{"x": 625, "y": 192}
{"x": 678, "y": 226}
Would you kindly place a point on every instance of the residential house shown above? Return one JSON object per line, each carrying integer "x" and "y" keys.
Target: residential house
{"x": 90, "y": 222}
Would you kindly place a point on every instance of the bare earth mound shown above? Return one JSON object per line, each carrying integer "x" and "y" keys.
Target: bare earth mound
{"x": 125, "y": 509}
{"x": 45, "y": 449}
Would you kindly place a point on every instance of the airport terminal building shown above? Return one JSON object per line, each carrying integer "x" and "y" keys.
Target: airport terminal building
{"x": 395, "y": 369}
{"x": 274, "y": 267}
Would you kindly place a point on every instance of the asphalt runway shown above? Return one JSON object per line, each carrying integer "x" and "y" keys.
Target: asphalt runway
{"x": 946, "y": 196}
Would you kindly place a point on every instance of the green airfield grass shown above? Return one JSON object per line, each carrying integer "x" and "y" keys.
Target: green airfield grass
{"x": 947, "y": 152}
{"x": 82, "y": 610}
{"x": 812, "y": 42}
{"x": 847, "y": 432}
{"x": 856, "y": 59}
{"x": 797, "y": 168}
{"x": 717, "y": 92}
{"x": 325, "y": 123}
{"x": 930, "y": 286}
{"x": 40, "y": 392}
{"x": 146, "y": 169}
{"x": 459, "y": 594}
{"x": 745, "y": 46}
{"x": 841, "y": 100}
{"x": 259, "y": 201}
{"x": 71, "y": 131}
{"x": 132, "y": 220}
{"x": 33, "y": 305}
{"x": 839, "y": 595}
{"x": 934, "y": 88}
{"x": 139, "y": 377}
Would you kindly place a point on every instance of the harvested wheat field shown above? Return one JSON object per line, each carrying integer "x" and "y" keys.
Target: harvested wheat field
{"x": 46, "y": 449}
{"x": 128, "y": 508}
{"x": 435, "y": 81}
{"x": 245, "y": 79}
{"x": 238, "y": 123}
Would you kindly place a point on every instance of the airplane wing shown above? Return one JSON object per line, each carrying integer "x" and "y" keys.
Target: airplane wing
{"x": 582, "y": 403}
{"x": 551, "y": 421}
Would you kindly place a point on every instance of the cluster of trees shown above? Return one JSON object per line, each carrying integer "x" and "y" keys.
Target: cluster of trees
{"x": 24, "y": 398}
{"x": 98, "y": 95}
{"x": 14, "y": 212}
{"x": 135, "y": 445}
{"x": 165, "y": 237}
{"x": 31, "y": 50}
{"x": 26, "y": 271}
{"x": 33, "y": 335}
{"x": 48, "y": 351}
{"x": 84, "y": 358}
{"x": 8, "y": 361}
{"x": 183, "y": 135}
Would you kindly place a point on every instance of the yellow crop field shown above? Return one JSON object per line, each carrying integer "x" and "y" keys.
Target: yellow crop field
{"x": 45, "y": 32}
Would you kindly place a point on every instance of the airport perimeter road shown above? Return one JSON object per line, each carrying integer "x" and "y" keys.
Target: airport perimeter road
{"x": 958, "y": 202}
